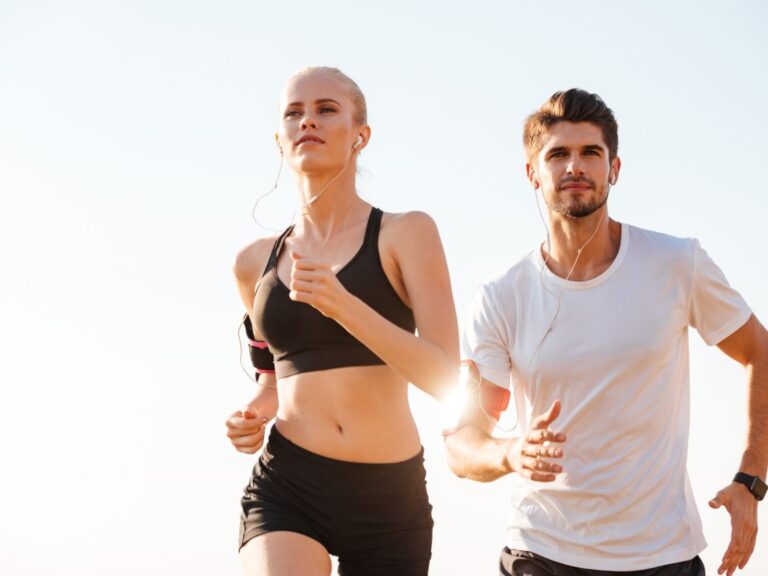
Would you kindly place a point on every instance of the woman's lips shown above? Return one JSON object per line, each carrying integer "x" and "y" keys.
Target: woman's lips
{"x": 309, "y": 140}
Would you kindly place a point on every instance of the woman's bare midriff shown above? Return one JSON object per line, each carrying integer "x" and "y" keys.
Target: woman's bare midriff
{"x": 356, "y": 414}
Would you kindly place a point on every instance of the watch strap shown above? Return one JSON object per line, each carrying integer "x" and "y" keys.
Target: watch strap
{"x": 755, "y": 485}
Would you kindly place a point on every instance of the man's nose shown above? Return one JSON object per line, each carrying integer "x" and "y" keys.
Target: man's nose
{"x": 575, "y": 166}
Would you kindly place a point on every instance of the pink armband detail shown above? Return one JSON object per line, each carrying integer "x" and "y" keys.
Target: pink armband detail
{"x": 260, "y": 344}
{"x": 494, "y": 399}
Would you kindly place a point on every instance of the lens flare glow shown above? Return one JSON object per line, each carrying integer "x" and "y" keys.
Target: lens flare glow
{"x": 457, "y": 402}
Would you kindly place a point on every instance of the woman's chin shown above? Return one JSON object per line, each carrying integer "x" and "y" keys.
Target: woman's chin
{"x": 311, "y": 164}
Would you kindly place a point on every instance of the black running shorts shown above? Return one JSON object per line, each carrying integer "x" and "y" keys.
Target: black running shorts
{"x": 524, "y": 563}
{"x": 375, "y": 517}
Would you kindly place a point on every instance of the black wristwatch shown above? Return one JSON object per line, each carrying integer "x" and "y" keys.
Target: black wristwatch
{"x": 754, "y": 483}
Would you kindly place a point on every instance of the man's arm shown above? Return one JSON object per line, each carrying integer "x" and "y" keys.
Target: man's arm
{"x": 475, "y": 454}
{"x": 748, "y": 346}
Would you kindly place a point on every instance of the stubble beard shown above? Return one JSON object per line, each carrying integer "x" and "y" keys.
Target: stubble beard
{"x": 580, "y": 209}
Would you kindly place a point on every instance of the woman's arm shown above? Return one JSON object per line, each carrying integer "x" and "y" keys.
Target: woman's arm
{"x": 429, "y": 360}
{"x": 245, "y": 427}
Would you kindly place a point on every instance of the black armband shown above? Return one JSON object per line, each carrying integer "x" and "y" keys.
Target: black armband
{"x": 261, "y": 357}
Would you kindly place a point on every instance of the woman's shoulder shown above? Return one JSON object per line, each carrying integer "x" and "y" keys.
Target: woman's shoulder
{"x": 407, "y": 233}
{"x": 251, "y": 260}
{"x": 408, "y": 223}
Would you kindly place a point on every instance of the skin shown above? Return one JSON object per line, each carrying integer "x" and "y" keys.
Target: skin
{"x": 573, "y": 170}
{"x": 357, "y": 414}
{"x": 748, "y": 346}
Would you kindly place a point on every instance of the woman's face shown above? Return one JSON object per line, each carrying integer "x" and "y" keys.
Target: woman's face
{"x": 317, "y": 128}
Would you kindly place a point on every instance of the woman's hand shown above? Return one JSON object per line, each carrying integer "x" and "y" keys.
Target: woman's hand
{"x": 245, "y": 429}
{"x": 314, "y": 282}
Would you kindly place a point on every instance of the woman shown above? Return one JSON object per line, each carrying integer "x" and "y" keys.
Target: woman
{"x": 337, "y": 297}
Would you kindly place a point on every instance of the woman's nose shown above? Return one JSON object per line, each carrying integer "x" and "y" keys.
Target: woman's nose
{"x": 308, "y": 121}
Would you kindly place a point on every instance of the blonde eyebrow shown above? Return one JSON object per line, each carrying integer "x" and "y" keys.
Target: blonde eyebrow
{"x": 318, "y": 101}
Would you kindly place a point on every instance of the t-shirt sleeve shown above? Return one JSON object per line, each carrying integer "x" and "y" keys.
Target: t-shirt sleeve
{"x": 485, "y": 340}
{"x": 716, "y": 310}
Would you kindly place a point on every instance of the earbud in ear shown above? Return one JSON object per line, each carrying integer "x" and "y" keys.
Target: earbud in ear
{"x": 358, "y": 143}
{"x": 277, "y": 142}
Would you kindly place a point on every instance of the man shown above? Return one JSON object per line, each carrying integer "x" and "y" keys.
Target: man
{"x": 591, "y": 333}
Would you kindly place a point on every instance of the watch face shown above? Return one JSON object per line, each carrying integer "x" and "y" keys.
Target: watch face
{"x": 759, "y": 488}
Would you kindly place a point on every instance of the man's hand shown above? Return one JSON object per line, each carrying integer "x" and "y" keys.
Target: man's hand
{"x": 245, "y": 430}
{"x": 742, "y": 506}
{"x": 527, "y": 452}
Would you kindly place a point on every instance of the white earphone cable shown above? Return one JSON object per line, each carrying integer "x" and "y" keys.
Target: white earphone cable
{"x": 559, "y": 295}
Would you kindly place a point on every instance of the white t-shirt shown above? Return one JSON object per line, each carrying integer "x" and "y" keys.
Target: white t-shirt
{"x": 617, "y": 357}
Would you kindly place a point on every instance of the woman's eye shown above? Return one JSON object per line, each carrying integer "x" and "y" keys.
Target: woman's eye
{"x": 327, "y": 109}
{"x": 291, "y": 113}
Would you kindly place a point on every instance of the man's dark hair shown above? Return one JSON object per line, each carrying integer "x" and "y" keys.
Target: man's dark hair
{"x": 572, "y": 105}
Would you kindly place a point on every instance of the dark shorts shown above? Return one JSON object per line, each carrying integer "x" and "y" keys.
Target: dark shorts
{"x": 523, "y": 563}
{"x": 375, "y": 517}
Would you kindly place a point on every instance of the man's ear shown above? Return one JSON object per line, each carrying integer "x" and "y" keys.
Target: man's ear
{"x": 530, "y": 172}
{"x": 613, "y": 176}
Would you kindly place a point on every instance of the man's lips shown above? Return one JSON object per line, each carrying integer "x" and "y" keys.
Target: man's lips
{"x": 305, "y": 139}
{"x": 576, "y": 186}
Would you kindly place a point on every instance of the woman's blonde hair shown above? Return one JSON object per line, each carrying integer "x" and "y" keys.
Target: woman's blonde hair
{"x": 360, "y": 115}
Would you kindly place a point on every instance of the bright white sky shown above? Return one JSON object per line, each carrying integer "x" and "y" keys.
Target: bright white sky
{"x": 134, "y": 138}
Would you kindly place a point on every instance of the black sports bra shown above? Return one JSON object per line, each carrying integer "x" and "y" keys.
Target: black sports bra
{"x": 301, "y": 338}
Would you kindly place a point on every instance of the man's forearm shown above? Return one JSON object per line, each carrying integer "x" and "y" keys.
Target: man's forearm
{"x": 474, "y": 454}
{"x": 755, "y": 458}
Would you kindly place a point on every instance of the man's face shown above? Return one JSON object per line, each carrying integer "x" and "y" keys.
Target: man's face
{"x": 573, "y": 169}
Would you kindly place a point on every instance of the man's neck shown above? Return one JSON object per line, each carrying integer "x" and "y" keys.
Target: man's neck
{"x": 582, "y": 248}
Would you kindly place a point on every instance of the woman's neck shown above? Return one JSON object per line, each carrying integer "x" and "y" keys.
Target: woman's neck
{"x": 330, "y": 203}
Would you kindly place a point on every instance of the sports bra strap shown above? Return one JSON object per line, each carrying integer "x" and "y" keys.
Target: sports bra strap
{"x": 371, "y": 238}
{"x": 372, "y": 230}
{"x": 276, "y": 247}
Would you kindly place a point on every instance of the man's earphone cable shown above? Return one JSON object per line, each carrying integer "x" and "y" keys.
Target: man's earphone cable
{"x": 559, "y": 295}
